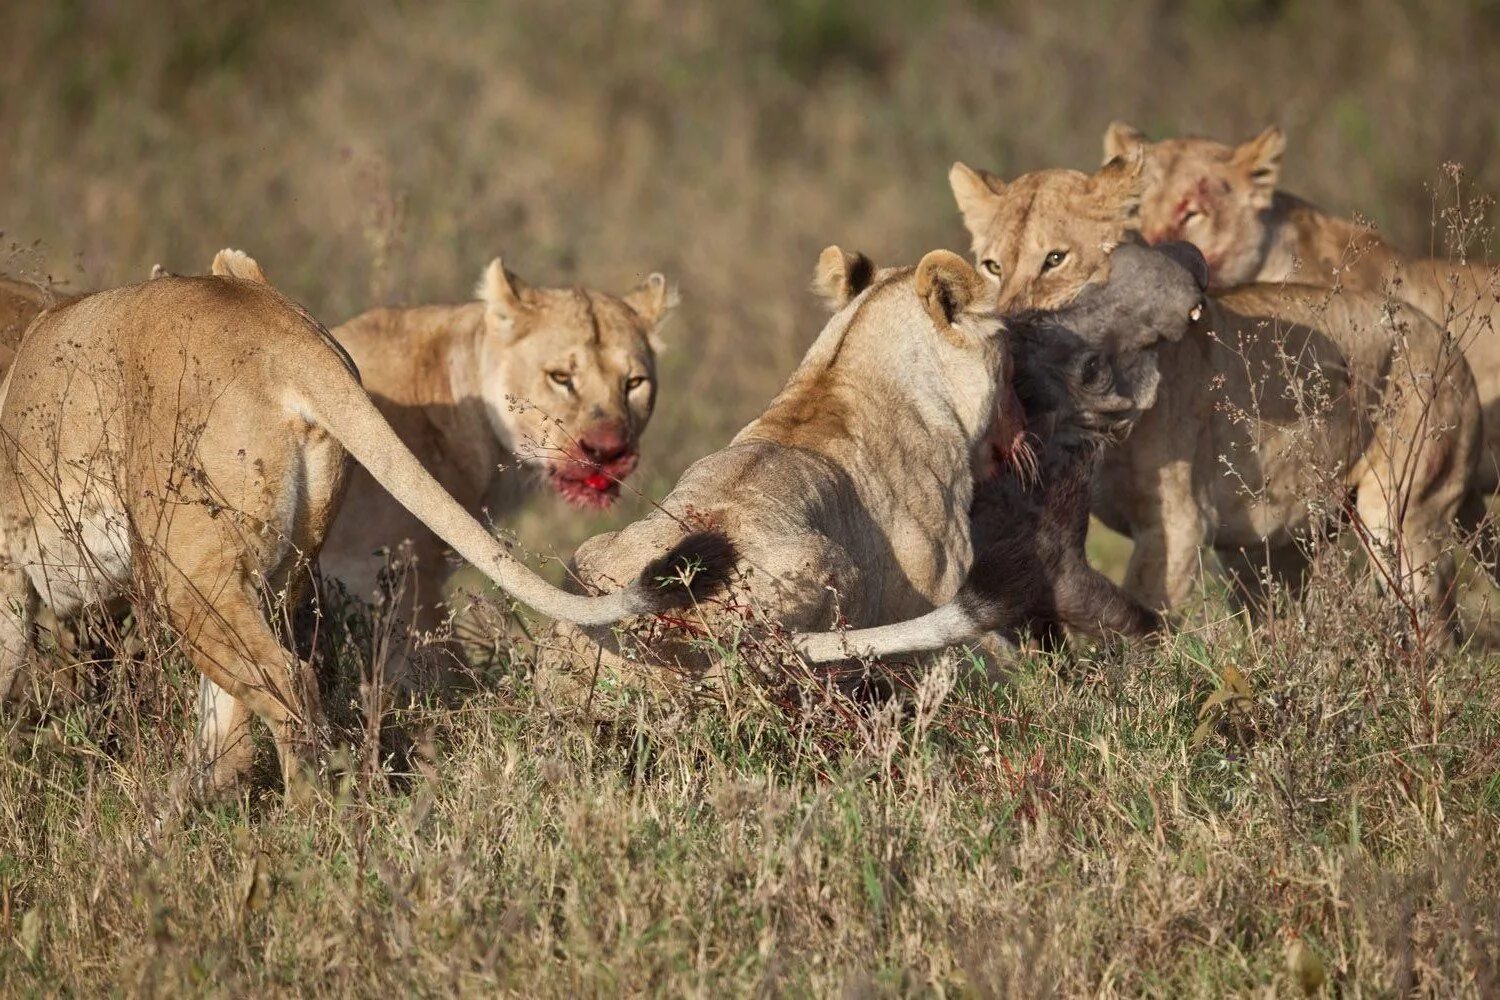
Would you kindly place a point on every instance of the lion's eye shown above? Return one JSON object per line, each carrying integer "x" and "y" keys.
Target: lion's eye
{"x": 990, "y": 265}
{"x": 564, "y": 379}
{"x": 634, "y": 382}
{"x": 1054, "y": 259}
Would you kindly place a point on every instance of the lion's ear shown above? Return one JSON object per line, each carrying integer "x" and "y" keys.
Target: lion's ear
{"x": 237, "y": 264}
{"x": 1120, "y": 139}
{"x": 1120, "y": 184}
{"x": 948, "y": 285}
{"x": 1260, "y": 158}
{"x": 653, "y": 299}
{"x": 976, "y": 192}
{"x": 160, "y": 271}
{"x": 840, "y": 276}
{"x": 501, "y": 292}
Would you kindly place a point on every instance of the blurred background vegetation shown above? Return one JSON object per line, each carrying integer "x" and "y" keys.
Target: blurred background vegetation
{"x": 369, "y": 151}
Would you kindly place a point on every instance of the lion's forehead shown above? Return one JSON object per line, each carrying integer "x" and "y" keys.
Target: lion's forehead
{"x": 1183, "y": 163}
{"x": 1038, "y": 210}
{"x": 599, "y": 348}
{"x": 596, "y": 330}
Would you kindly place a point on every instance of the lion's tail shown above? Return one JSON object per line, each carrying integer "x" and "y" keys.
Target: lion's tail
{"x": 959, "y": 621}
{"x": 331, "y": 397}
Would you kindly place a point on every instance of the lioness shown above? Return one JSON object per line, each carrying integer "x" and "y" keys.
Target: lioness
{"x": 848, "y": 496}
{"x": 1224, "y": 199}
{"x": 1084, "y": 374}
{"x": 1283, "y": 393}
{"x": 557, "y": 381}
{"x": 182, "y": 443}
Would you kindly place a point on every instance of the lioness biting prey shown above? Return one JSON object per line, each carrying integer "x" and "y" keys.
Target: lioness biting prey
{"x": 1292, "y": 408}
{"x": 1084, "y": 375}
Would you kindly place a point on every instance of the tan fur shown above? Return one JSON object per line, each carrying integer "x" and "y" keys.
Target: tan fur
{"x": 1016, "y": 226}
{"x": 1249, "y": 231}
{"x": 181, "y": 443}
{"x": 20, "y": 303}
{"x": 849, "y": 494}
{"x": 1402, "y": 441}
{"x": 467, "y": 387}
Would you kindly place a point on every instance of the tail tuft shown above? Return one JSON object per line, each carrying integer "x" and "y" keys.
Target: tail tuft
{"x": 704, "y": 559}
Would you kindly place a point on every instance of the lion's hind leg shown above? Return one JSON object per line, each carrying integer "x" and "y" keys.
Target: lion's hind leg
{"x": 221, "y": 619}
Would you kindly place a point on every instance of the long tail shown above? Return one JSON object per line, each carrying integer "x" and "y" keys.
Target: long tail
{"x": 950, "y": 625}
{"x": 693, "y": 568}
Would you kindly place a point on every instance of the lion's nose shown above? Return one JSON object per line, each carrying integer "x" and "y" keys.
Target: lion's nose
{"x": 605, "y": 443}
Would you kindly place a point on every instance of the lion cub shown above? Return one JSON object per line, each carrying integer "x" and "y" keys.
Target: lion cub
{"x": 559, "y": 382}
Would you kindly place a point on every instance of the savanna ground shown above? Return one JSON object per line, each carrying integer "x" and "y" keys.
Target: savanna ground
{"x": 1235, "y": 812}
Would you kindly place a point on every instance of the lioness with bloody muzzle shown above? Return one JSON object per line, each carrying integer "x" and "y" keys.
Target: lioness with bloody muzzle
{"x": 555, "y": 382}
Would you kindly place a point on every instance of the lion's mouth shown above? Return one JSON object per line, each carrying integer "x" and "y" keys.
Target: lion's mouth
{"x": 591, "y": 485}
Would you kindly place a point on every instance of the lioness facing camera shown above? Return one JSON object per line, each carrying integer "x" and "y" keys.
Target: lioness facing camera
{"x": 551, "y": 385}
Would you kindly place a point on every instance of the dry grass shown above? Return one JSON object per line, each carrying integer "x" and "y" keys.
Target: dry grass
{"x": 1062, "y": 832}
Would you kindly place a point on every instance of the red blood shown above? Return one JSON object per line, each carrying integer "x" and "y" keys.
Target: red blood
{"x": 597, "y": 481}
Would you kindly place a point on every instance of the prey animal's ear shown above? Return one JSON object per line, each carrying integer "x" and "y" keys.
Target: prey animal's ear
{"x": 948, "y": 285}
{"x": 501, "y": 292}
{"x": 653, "y": 299}
{"x": 1120, "y": 139}
{"x": 976, "y": 192}
{"x": 1260, "y": 158}
{"x": 840, "y": 276}
{"x": 237, "y": 264}
{"x": 1120, "y": 184}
